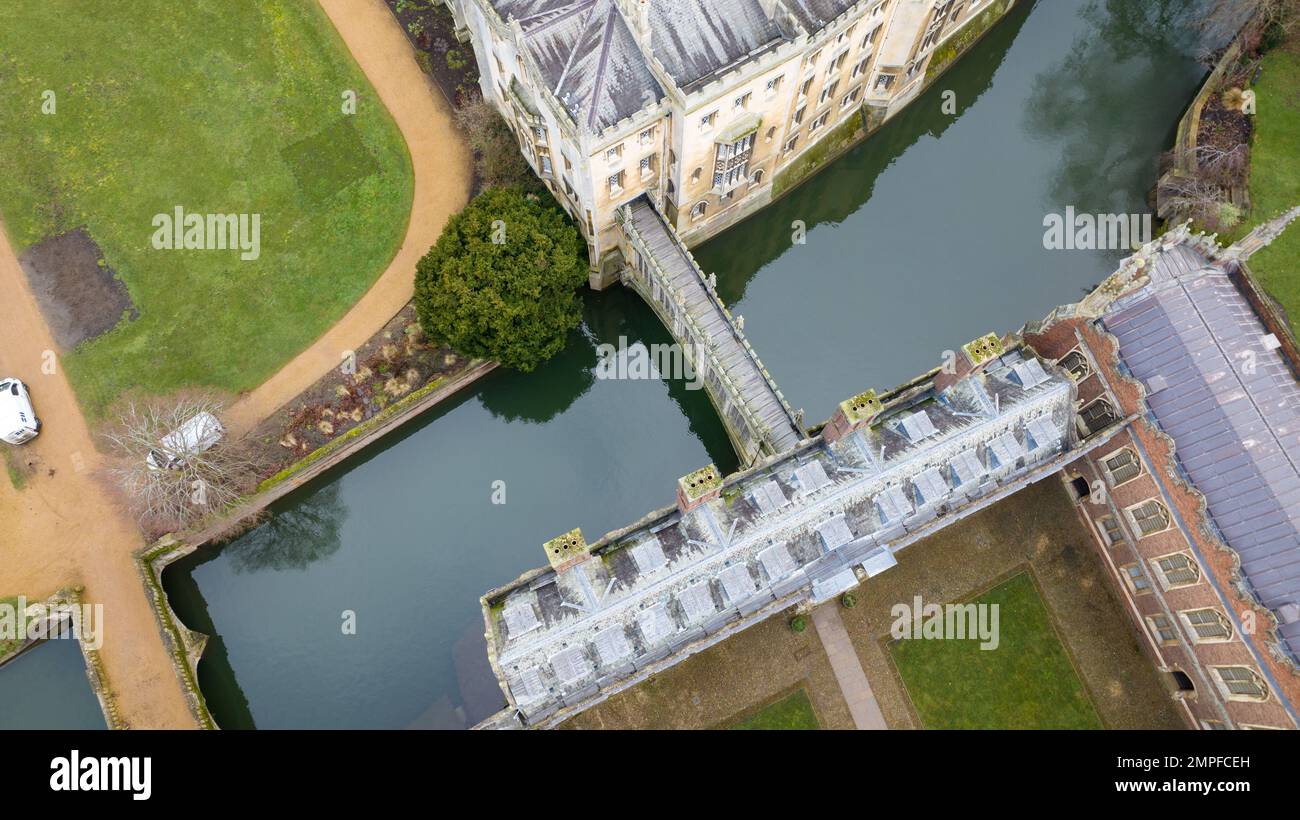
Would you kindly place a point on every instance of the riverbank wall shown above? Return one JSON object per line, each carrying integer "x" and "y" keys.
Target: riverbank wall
{"x": 184, "y": 645}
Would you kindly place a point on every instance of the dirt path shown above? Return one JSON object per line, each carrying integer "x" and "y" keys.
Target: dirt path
{"x": 441, "y": 163}
{"x": 61, "y": 529}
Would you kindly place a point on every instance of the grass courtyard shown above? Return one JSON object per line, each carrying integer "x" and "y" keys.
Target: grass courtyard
{"x": 220, "y": 107}
{"x": 1027, "y": 682}
{"x": 1275, "y": 173}
{"x": 794, "y": 711}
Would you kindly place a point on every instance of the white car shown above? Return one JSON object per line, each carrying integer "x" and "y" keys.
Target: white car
{"x": 194, "y": 436}
{"x": 18, "y": 422}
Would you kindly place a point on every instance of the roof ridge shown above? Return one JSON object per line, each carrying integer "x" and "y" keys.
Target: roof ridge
{"x": 598, "y": 85}
{"x": 553, "y": 16}
{"x": 586, "y": 5}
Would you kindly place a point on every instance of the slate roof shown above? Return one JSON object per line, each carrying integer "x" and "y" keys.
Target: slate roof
{"x": 698, "y": 39}
{"x": 588, "y": 58}
{"x": 814, "y": 15}
{"x": 1233, "y": 409}
{"x": 591, "y": 60}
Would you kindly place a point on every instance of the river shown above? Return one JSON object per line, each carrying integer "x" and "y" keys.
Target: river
{"x": 46, "y": 688}
{"x": 925, "y": 236}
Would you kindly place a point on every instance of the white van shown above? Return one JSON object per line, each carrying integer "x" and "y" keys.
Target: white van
{"x": 18, "y": 422}
{"x": 193, "y": 437}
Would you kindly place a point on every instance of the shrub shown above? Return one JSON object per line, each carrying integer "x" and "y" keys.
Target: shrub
{"x": 848, "y": 600}
{"x": 501, "y": 282}
{"x": 455, "y": 60}
{"x": 798, "y": 624}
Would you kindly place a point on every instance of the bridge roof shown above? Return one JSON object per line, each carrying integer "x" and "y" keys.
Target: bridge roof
{"x": 776, "y": 532}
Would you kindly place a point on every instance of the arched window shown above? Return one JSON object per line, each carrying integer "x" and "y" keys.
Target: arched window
{"x": 1178, "y": 570}
{"x": 1098, "y": 416}
{"x": 1077, "y": 364}
{"x": 771, "y": 133}
{"x": 1150, "y": 517}
{"x": 700, "y": 209}
{"x": 1241, "y": 683}
{"x": 1122, "y": 466}
{"x": 758, "y": 177}
{"x": 1209, "y": 625}
{"x": 695, "y": 175}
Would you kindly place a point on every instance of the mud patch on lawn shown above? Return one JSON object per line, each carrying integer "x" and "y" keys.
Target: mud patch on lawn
{"x": 78, "y": 293}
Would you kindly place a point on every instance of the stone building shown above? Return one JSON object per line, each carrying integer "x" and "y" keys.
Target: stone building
{"x": 701, "y": 105}
{"x": 1195, "y": 503}
{"x": 805, "y": 526}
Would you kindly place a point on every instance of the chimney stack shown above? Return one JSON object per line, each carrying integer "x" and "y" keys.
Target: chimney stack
{"x": 851, "y": 415}
{"x": 703, "y": 485}
{"x": 566, "y": 551}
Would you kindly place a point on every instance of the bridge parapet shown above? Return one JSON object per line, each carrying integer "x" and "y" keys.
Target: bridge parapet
{"x": 755, "y": 413}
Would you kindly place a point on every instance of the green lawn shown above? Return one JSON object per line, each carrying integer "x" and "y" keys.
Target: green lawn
{"x": 794, "y": 711}
{"x": 1027, "y": 682}
{"x": 220, "y": 106}
{"x": 1275, "y": 174}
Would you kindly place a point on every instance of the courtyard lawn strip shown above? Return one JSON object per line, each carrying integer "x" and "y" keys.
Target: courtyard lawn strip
{"x": 794, "y": 711}
{"x": 1027, "y": 682}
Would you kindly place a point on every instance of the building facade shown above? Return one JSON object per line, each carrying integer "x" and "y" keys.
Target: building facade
{"x": 701, "y": 105}
{"x": 1195, "y": 504}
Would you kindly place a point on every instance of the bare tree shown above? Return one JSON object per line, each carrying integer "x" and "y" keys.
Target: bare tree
{"x": 1224, "y": 19}
{"x": 498, "y": 158}
{"x": 168, "y": 479}
{"x": 1200, "y": 186}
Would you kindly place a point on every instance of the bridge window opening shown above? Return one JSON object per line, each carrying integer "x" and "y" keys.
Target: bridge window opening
{"x": 1182, "y": 681}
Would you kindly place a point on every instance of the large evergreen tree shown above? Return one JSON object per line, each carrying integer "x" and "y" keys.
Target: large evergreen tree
{"x": 501, "y": 283}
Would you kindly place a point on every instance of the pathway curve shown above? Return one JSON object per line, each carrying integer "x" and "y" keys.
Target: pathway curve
{"x": 848, "y": 669}
{"x": 63, "y": 530}
{"x": 441, "y": 162}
